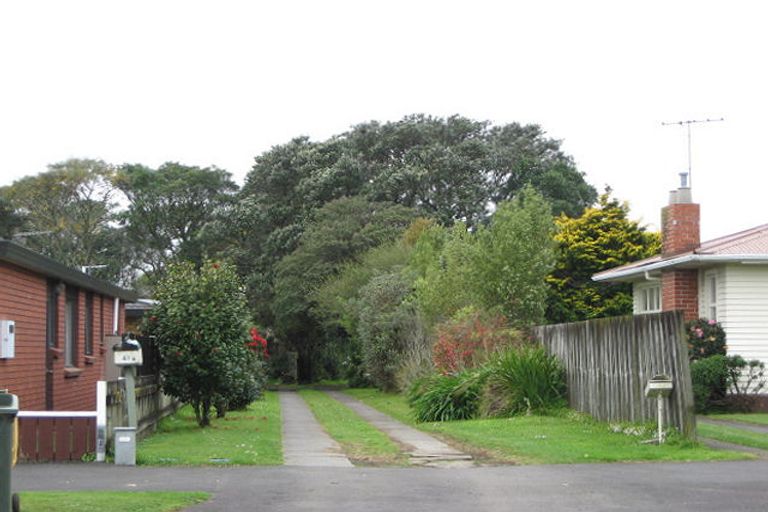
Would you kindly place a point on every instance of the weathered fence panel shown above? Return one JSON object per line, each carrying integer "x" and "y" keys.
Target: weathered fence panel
{"x": 608, "y": 362}
{"x": 151, "y": 405}
{"x": 52, "y": 436}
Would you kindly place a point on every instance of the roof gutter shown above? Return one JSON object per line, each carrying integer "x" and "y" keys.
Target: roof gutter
{"x": 30, "y": 260}
{"x": 681, "y": 260}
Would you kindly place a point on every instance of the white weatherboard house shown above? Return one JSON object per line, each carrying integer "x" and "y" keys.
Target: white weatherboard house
{"x": 725, "y": 279}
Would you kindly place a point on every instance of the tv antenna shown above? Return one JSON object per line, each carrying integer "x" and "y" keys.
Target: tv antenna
{"x": 687, "y": 125}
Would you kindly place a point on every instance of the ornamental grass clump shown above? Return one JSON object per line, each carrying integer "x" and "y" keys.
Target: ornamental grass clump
{"x": 523, "y": 381}
{"x": 446, "y": 397}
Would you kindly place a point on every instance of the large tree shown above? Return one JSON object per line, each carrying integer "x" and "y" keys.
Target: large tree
{"x": 342, "y": 231}
{"x": 601, "y": 238}
{"x": 452, "y": 169}
{"x": 67, "y": 213}
{"x": 168, "y": 209}
{"x": 10, "y": 219}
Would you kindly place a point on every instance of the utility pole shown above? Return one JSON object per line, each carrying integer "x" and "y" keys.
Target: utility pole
{"x": 687, "y": 125}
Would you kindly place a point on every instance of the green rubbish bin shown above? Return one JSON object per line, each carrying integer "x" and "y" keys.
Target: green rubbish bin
{"x": 9, "y": 407}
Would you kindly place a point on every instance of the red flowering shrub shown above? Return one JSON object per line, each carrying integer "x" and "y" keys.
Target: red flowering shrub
{"x": 258, "y": 344}
{"x": 469, "y": 338}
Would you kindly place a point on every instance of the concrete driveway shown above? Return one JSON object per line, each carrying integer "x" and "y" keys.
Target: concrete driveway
{"x": 699, "y": 487}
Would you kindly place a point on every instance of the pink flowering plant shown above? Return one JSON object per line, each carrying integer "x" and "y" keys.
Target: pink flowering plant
{"x": 705, "y": 338}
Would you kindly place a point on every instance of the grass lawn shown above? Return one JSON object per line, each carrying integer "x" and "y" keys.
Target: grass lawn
{"x": 363, "y": 443}
{"x": 734, "y": 435}
{"x": 546, "y": 439}
{"x": 99, "y": 501}
{"x": 757, "y": 418}
{"x": 250, "y": 437}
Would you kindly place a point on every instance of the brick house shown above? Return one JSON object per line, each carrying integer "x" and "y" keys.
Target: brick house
{"x": 725, "y": 279}
{"x": 61, "y": 317}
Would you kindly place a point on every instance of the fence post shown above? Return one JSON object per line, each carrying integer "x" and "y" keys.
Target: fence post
{"x": 101, "y": 421}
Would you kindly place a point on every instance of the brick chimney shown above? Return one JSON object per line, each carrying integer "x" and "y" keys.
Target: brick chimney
{"x": 680, "y": 234}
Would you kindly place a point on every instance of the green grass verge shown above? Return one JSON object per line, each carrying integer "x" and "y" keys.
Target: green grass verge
{"x": 757, "y": 418}
{"x": 250, "y": 437}
{"x": 363, "y": 443}
{"x": 567, "y": 439}
{"x": 734, "y": 435}
{"x": 114, "y": 501}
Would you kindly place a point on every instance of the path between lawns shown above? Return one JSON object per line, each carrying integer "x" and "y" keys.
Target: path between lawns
{"x": 723, "y": 445}
{"x": 424, "y": 449}
{"x": 305, "y": 443}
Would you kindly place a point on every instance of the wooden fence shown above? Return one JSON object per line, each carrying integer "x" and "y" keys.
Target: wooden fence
{"x": 609, "y": 361}
{"x": 69, "y": 435}
{"x": 151, "y": 405}
{"x": 56, "y": 436}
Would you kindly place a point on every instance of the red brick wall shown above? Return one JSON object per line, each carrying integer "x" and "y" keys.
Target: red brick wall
{"x": 22, "y": 299}
{"x": 680, "y": 228}
{"x": 680, "y": 292}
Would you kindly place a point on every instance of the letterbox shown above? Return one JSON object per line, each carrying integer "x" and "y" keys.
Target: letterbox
{"x": 128, "y": 352}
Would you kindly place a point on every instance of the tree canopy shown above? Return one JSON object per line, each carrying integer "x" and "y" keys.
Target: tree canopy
{"x": 168, "y": 209}
{"x": 602, "y": 237}
{"x": 67, "y": 212}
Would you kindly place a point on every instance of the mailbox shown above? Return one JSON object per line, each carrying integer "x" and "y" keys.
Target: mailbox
{"x": 659, "y": 386}
{"x": 128, "y": 352}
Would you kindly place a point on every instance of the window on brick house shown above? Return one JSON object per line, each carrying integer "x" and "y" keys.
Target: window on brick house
{"x": 649, "y": 299}
{"x": 70, "y": 328}
{"x": 710, "y": 293}
{"x": 88, "y": 348}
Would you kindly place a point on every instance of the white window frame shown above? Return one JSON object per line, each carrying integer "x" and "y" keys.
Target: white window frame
{"x": 648, "y": 298}
{"x": 710, "y": 294}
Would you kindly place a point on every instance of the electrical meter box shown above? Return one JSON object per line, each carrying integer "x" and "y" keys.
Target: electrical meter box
{"x": 7, "y": 339}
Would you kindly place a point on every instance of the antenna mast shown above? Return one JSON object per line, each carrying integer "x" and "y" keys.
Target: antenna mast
{"x": 687, "y": 125}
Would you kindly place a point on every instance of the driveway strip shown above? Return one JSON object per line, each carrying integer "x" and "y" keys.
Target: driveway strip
{"x": 305, "y": 443}
{"x": 425, "y": 450}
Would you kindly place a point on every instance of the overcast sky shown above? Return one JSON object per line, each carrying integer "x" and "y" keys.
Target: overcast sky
{"x": 219, "y": 82}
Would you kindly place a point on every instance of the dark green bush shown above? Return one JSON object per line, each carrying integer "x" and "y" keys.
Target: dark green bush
{"x": 446, "y": 397}
{"x": 710, "y": 378}
{"x": 523, "y": 380}
{"x": 705, "y": 338}
{"x": 721, "y": 382}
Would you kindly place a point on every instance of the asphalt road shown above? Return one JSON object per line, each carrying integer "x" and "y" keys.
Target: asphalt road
{"x": 700, "y": 487}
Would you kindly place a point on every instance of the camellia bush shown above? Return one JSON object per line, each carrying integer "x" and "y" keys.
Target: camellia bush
{"x": 208, "y": 357}
{"x": 706, "y": 338}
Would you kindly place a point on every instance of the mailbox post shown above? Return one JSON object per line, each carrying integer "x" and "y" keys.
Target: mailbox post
{"x": 127, "y": 356}
{"x": 659, "y": 387}
{"x": 9, "y": 407}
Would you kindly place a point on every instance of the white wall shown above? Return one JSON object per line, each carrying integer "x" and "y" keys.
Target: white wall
{"x": 743, "y": 309}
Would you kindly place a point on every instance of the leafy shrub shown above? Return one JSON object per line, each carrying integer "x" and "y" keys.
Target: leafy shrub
{"x": 705, "y": 338}
{"x": 201, "y": 332}
{"x": 446, "y": 397}
{"x": 469, "y": 339}
{"x": 745, "y": 380}
{"x": 713, "y": 377}
{"x": 710, "y": 381}
{"x": 248, "y": 383}
{"x": 523, "y": 380}
{"x": 385, "y": 321}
